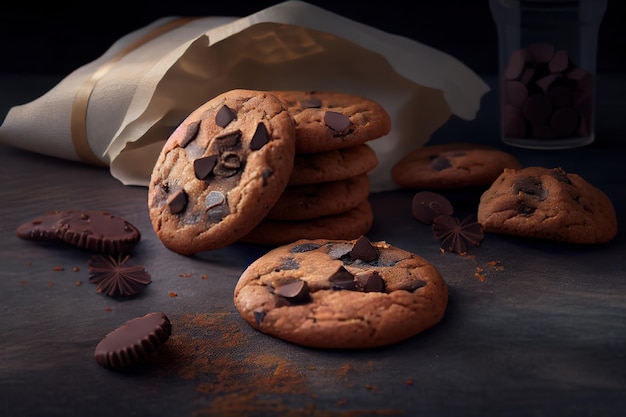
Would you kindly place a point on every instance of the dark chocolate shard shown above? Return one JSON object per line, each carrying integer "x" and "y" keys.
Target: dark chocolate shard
{"x": 456, "y": 235}
{"x": 178, "y": 202}
{"x": 337, "y": 121}
{"x": 363, "y": 250}
{"x": 202, "y": 167}
{"x": 289, "y": 264}
{"x": 260, "y": 137}
{"x": 214, "y": 198}
{"x": 561, "y": 175}
{"x": 116, "y": 277}
{"x": 370, "y": 281}
{"x": 296, "y": 291}
{"x": 342, "y": 279}
{"x": 440, "y": 163}
{"x": 530, "y": 187}
{"x": 228, "y": 140}
{"x": 426, "y": 205}
{"x": 304, "y": 247}
{"x": 133, "y": 341}
{"x": 311, "y": 103}
{"x": 224, "y": 116}
{"x": 259, "y": 316}
{"x": 191, "y": 132}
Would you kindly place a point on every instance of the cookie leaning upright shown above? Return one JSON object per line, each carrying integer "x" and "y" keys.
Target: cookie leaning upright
{"x": 547, "y": 203}
{"x": 341, "y": 294}
{"x": 221, "y": 171}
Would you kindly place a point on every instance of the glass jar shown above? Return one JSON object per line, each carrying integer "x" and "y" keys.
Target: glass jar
{"x": 547, "y": 71}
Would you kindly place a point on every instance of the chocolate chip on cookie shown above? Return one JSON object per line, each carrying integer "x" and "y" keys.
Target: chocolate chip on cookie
{"x": 341, "y": 294}
{"x": 332, "y": 120}
{"x": 221, "y": 171}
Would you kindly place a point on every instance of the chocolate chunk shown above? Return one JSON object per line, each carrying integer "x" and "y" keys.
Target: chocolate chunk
{"x": 295, "y": 291}
{"x": 304, "y": 247}
{"x": 289, "y": 264}
{"x": 116, "y": 277}
{"x": 541, "y": 52}
{"x": 516, "y": 64}
{"x": 363, "y": 250}
{"x": 213, "y": 199}
{"x": 559, "y": 61}
{"x": 190, "y": 133}
{"x": 228, "y": 140}
{"x": 311, "y": 102}
{"x": 177, "y": 202}
{"x": 370, "y": 281}
{"x": 426, "y": 205}
{"x": 560, "y": 175}
{"x": 203, "y": 167}
{"x": 342, "y": 279}
{"x": 537, "y": 108}
{"x": 455, "y": 235}
{"x": 414, "y": 285}
{"x": 524, "y": 208}
{"x": 260, "y": 137}
{"x": 133, "y": 341}
{"x": 440, "y": 163}
{"x": 531, "y": 186}
{"x": 515, "y": 92}
{"x": 548, "y": 90}
{"x": 565, "y": 122}
{"x": 224, "y": 116}
{"x": 259, "y": 316}
{"x": 337, "y": 121}
{"x": 340, "y": 250}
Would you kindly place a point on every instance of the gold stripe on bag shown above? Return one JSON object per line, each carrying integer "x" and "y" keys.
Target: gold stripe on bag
{"x": 83, "y": 94}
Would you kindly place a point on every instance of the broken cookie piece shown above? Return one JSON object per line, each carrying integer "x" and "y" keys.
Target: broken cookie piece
{"x": 547, "y": 203}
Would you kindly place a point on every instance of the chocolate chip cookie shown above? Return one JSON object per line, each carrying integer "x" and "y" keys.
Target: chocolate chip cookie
{"x": 341, "y": 294}
{"x": 304, "y": 202}
{"x": 221, "y": 171}
{"x": 450, "y": 166}
{"x": 339, "y": 164}
{"x": 332, "y": 120}
{"x": 547, "y": 203}
{"x": 348, "y": 225}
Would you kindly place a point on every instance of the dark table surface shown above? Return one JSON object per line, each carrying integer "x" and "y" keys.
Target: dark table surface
{"x": 541, "y": 333}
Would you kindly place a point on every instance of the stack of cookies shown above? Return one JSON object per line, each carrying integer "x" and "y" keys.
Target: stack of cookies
{"x": 328, "y": 189}
{"x": 267, "y": 168}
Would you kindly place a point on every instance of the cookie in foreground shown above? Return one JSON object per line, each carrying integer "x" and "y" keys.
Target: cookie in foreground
{"x": 221, "y": 171}
{"x": 341, "y": 294}
{"x": 547, "y": 203}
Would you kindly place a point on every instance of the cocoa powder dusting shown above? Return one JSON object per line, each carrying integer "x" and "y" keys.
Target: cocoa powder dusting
{"x": 206, "y": 349}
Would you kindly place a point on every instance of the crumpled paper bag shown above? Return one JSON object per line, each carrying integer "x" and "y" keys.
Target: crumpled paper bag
{"x": 118, "y": 110}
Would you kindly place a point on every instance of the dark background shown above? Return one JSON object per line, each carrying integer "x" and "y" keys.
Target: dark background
{"x": 58, "y": 37}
